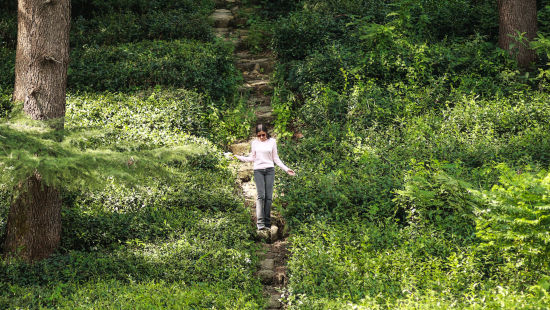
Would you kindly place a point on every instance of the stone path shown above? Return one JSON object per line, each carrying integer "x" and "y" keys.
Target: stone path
{"x": 256, "y": 70}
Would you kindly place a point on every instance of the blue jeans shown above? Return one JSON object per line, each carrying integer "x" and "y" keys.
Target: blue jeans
{"x": 264, "y": 179}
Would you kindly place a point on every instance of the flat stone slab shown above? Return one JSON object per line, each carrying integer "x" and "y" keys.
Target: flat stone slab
{"x": 274, "y": 302}
{"x": 266, "y": 276}
{"x": 267, "y": 264}
{"x": 264, "y": 109}
{"x": 222, "y": 18}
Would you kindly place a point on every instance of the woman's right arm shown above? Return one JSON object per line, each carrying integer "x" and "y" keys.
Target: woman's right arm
{"x": 250, "y": 156}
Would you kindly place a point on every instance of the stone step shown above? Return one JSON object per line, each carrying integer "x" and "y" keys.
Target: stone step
{"x": 222, "y": 32}
{"x": 263, "y": 109}
{"x": 222, "y": 18}
{"x": 266, "y": 276}
{"x": 262, "y": 65}
{"x": 259, "y": 100}
{"x": 255, "y": 88}
{"x": 267, "y": 264}
{"x": 245, "y": 173}
{"x": 265, "y": 118}
{"x": 274, "y": 302}
{"x": 254, "y": 75}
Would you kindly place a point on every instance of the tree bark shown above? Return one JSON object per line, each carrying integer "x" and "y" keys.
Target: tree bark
{"x": 33, "y": 229}
{"x": 34, "y": 220}
{"x": 42, "y": 58}
{"x": 514, "y": 16}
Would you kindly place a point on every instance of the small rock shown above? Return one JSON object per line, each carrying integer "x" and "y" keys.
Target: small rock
{"x": 274, "y": 302}
{"x": 267, "y": 264}
{"x": 266, "y": 276}
{"x": 274, "y": 233}
{"x": 263, "y": 234}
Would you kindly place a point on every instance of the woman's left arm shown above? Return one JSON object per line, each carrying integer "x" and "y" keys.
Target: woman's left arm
{"x": 279, "y": 162}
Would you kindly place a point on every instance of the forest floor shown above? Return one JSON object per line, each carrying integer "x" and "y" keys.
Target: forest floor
{"x": 256, "y": 70}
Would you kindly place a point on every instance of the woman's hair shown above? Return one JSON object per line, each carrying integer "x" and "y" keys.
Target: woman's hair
{"x": 262, "y": 127}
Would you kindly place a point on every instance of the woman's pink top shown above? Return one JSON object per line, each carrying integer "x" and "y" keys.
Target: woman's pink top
{"x": 264, "y": 154}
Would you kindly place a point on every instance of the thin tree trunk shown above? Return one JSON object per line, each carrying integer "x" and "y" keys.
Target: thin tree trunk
{"x": 42, "y": 58}
{"x": 34, "y": 220}
{"x": 33, "y": 229}
{"x": 514, "y": 16}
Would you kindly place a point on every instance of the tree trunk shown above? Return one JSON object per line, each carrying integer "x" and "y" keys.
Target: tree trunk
{"x": 34, "y": 221}
{"x": 514, "y": 16}
{"x": 42, "y": 58}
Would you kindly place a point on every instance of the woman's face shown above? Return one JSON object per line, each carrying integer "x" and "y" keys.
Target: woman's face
{"x": 262, "y": 135}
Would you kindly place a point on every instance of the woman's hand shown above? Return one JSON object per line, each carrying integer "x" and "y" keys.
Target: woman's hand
{"x": 291, "y": 172}
{"x": 230, "y": 155}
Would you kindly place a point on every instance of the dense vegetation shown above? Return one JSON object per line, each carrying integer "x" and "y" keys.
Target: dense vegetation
{"x": 151, "y": 218}
{"x": 422, "y": 176}
{"x": 423, "y": 171}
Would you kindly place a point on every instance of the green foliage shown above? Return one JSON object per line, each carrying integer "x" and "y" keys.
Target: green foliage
{"x": 125, "y": 27}
{"x": 7, "y": 68}
{"x": 195, "y": 263}
{"x": 338, "y": 265}
{"x": 542, "y": 46}
{"x": 338, "y": 178}
{"x": 313, "y": 30}
{"x": 5, "y": 103}
{"x": 148, "y": 210}
{"x": 8, "y": 29}
{"x": 515, "y": 224}
{"x": 205, "y": 67}
{"x": 431, "y": 198}
{"x": 385, "y": 95}
{"x": 146, "y": 120}
{"x": 99, "y": 7}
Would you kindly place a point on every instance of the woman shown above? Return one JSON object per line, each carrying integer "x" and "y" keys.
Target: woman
{"x": 263, "y": 152}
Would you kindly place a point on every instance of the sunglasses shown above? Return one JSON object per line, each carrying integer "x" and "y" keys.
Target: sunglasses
{"x": 261, "y": 135}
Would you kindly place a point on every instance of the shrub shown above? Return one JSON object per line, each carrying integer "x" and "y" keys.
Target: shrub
{"x": 515, "y": 223}
{"x": 431, "y": 198}
{"x": 337, "y": 179}
{"x": 159, "y": 238}
{"x": 125, "y": 27}
{"x": 313, "y": 31}
{"x": 7, "y": 68}
{"x": 206, "y": 67}
{"x": 98, "y": 7}
{"x": 8, "y": 29}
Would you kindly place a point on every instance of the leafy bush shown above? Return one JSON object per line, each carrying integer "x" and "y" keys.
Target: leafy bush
{"x": 8, "y": 29}
{"x": 146, "y": 120}
{"x": 174, "y": 234}
{"x": 338, "y": 178}
{"x": 125, "y": 27}
{"x": 7, "y": 68}
{"x": 432, "y": 198}
{"x": 338, "y": 265}
{"x": 206, "y": 67}
{"x": 515, "y": 224}
{"x": 5, "y": 103}
{"x": 99, "y": 7}
{"x": 313, "y": 31}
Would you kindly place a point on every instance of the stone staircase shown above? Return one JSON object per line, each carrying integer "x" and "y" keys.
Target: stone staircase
{"x": 256, "y": 70}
